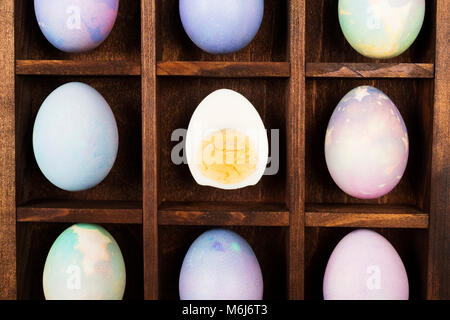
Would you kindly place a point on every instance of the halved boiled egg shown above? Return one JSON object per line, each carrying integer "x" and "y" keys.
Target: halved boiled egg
{"x": 226, "y": 142}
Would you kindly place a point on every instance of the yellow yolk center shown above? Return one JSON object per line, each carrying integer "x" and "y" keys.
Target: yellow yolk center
{"x": 227, "y": 156}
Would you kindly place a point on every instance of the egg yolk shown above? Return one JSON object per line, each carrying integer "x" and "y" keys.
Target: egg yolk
{"x": 227, "y": 156}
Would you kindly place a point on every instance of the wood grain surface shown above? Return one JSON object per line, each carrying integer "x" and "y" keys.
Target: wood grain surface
{"x": 78, "y": 67}
{"x": 295, "y": 123}
{"x": 149, "y": 149}
{"x": 223, "y": 69}
{"x": 7, "y": 154}
{"x": 438, "y": 284}
{"x": 125, "y": 212}
{"x": 223, "y": 213}
{"x": 369, "y": 70}
{"x": 367, "y": 216}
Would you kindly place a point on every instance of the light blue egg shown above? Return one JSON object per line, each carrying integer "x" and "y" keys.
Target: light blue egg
{"x": 221, "y": 26}
{"x": 75, "y": 137}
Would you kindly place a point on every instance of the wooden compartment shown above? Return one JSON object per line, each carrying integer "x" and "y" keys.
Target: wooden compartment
{"x": 270, "y": 43}
{"x": 414, "y": 100}
{"x": 268, "y": 243}
{"x": 35, "y": 239}
{"x": 122, "y": 44}
{"x": 326, "y": 42}
{"x": 119, "y": 195}
{"x": 411, "y": 245}
{"x": 175, "y": 183}
{"x": 123, "y": 183}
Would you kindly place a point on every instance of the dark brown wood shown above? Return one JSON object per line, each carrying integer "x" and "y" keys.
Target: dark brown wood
{"x": 294, "y": 72}
{"x": 369, "y": 70}
{"x": 223, "y": 69}
{"x": 149, "y": 150}
{"x": 438, "y": 284}
{"x": 125, "y": 212}
{"x": 7, "y": 154}
{"x": 223, "y": 213}
{"x": 295, "y": 123}
{"x": 78, "y": 67}
{"x": 367, "y": 216}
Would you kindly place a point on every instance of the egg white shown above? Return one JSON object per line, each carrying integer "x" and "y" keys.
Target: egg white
{"x": 226, "y": 109}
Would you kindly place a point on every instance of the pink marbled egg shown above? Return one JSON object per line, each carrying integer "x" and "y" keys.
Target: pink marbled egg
{"x": 76, "y": 25}
{"x": 366, "y": 144}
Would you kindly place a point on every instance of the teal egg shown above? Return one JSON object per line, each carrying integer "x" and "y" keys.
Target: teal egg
{"x": 381, "y": 29}
{"x": 84, "y": 263}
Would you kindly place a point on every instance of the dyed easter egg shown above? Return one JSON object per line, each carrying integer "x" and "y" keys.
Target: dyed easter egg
{"x": 365, "y": 266}
{"x": 366, "y": 144}
{"x": 84, "y": 263}
{"x": 221, "y": 26}
{"x": 220, "y": 265}
{"x": 381, "y": 28}
{"x": 76, "y": 25}
{"x": 75, "y": 137}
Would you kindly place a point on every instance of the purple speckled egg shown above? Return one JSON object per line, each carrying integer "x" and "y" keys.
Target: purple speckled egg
{"x": 366, "y": 144}
{"x": 365, "y": 266}
{"x": 221, "y": 26}
{"x": 76, "y": 25}
{"x": 220, "y": 265}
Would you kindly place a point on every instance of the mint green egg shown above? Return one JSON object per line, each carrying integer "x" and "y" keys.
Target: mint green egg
{"x": 84, "y": 263}
{"x": 381, "y": 29}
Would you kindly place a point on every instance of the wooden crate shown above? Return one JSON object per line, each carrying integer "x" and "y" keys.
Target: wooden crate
{"x": 294, "y": 72}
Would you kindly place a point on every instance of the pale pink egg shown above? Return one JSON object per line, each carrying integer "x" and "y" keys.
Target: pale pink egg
{"x": 365, "y": 266}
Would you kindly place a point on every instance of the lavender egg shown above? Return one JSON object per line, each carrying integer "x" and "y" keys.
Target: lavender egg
{"x": 75, "y": 137}
{"x": 221, "y": 26}
{"x": 220, "y": 265}
{"x": 76, "y": 25}
{"x": 366, "y": 144}
{"x": 365, "y": 266}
